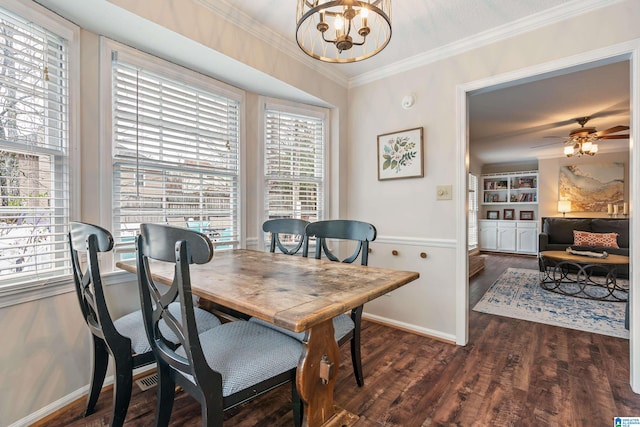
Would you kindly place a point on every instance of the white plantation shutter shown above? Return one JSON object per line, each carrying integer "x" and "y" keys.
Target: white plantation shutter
{"x": 294, "y": 165}
{"x": 473, "y": 212}
{"x": 175, "y": 157}
{"x": 34, "y": 152}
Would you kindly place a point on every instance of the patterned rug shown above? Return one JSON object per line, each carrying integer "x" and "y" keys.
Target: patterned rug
{"x": 517, "y": 293}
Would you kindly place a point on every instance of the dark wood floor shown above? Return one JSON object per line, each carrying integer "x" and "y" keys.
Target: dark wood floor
{"x": 512, "y": 373}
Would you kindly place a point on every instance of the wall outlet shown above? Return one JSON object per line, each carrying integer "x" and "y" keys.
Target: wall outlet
{"x": 443, "y": 192}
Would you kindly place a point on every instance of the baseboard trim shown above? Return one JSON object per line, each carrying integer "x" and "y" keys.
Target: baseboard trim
{"x": 407, "y": 327}
{"x": 40, "y": 417}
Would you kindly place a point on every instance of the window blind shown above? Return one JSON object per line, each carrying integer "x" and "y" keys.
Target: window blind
{"x": 175, "y": 157}
{"x": 294, "y": 165}
{"x": 34, "y": 163}
{"x": 473, "y": 212}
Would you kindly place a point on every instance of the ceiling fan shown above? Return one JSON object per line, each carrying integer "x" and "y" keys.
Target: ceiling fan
{"x": 583, "y": 139}
{"x": 592, "y": 134}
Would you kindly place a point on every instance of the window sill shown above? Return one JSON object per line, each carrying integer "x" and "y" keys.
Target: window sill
{"x": 22, "y": 293}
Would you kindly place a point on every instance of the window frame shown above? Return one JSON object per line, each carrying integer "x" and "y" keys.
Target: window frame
{"x": 292, "y": 107}
{"x": 19, "y": 293}
{"x": 172, "y": 71}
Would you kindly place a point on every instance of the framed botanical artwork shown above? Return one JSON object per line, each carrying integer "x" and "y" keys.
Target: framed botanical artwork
{"x": 493, "y": 214}
{"x": 400, "y": 155}
{"x": 526, "y": 215}
{"x": 508, "y": 214}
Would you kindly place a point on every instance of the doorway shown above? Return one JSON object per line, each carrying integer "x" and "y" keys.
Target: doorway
{"x": 581, "y": 62}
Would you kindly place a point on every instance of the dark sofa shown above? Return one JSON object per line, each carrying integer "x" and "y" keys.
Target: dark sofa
{"x": 557, "y": 235}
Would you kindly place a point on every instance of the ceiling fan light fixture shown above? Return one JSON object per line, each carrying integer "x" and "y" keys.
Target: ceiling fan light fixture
{"x": 583, "y": 140}
{"x": 568, "y": 150}
{"x": 343, "y": 31}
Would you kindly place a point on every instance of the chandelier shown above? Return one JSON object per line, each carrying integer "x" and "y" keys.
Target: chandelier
{"x": 343, "y": 30}
{"x": 582, "y": 145}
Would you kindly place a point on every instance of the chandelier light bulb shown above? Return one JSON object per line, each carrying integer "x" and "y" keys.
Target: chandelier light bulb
{"x": 586, "y": 146}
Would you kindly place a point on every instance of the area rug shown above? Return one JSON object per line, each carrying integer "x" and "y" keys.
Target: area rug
{"x": 517, "y": 293}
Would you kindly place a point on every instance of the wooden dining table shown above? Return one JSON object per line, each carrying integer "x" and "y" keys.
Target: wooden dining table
{"x": 299, "y": 294}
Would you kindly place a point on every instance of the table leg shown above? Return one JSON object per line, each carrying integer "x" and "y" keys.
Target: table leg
{"x": 317, "y": 373}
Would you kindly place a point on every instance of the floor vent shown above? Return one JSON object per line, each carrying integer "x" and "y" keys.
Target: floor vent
{"x": 145, "y": 383}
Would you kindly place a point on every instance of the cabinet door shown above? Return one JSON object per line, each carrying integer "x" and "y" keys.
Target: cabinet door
{"x": 488, "y": 236}
{"x": 507, "y": 238}
{"x": 527, "y": 240}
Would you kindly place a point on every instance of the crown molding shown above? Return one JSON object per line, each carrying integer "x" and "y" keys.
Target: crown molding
{"x": 503, "y": 32}
{"x": 226, "y": 10}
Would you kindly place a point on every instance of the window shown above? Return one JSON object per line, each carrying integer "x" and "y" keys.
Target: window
{"x": 34, "y": 149}
{"x": 175, "y": 152}
{"x": 294, "y": 166}
{"x": 473, "y": 212}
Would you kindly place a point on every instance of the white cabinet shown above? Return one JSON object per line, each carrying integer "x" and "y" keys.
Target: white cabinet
{"x": 527, "y": 238}
{"x": 488, "y": 235}
{"x": 509, "y": 236}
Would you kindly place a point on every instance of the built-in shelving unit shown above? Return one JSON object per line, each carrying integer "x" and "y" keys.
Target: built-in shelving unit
{"x": 508, "y": 218}
{"x": 510, "y": 188}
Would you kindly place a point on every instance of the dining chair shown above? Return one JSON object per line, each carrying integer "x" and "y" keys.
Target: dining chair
{"x": 123, "y": 338}
{"x": 287, "y": 226}
{"x": 222, "y": 367}
{"x": 346, "y": 230}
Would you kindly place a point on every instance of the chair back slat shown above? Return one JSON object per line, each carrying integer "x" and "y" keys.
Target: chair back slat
{"x": 91, "y": 240}
{"x": 360, "y": 232}
{"x": 288, "y": 226}
{"x": 182, "y": 247}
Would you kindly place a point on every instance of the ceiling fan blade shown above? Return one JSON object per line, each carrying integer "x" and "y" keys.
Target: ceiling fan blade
{"x": 614, "y": 137}
{"x": 612, "y": 130}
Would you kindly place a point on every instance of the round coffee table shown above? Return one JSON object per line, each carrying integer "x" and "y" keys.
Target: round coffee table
{"x": 582, "y": 276}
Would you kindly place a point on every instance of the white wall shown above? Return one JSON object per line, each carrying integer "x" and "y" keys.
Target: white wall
{"x": 408, "y": 208}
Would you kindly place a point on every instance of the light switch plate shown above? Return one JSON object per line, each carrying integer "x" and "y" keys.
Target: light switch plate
{"x": 443, "y": 192}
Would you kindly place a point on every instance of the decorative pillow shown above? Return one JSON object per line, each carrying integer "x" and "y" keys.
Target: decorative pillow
{"x": 605, "y": 240}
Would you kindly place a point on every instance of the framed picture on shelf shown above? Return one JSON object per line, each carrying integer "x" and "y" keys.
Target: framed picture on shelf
{"x": 493, "y": 214}
{"x": 508, "y": 214}
{"x": 526, "y": 215}
{"x": 400, "y": 155}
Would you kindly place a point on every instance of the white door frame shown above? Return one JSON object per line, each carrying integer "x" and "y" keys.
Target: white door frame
{"x": 628, "y": 51}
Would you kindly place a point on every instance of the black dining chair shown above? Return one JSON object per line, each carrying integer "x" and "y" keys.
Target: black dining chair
{"x": 361, "y": 233}
{"x": 221, "y": 368}
{"x": 287, "y": 227}
{"x": 123, "y": 338}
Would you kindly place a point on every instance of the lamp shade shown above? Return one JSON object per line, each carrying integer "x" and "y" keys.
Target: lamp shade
{"x": 564, "y": 206}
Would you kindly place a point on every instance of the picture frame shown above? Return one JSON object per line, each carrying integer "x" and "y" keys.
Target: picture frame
{"x": 400, "y": 154}
{"x": 526, "y": 215}
{"x": 493, "y": 214}
{"x": 509, "y": 214}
